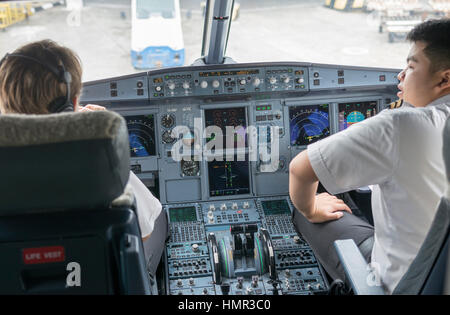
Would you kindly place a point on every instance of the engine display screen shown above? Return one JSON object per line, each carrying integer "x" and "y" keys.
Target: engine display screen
{"x": 275, "y": 207}
{"x": 352, "y": 113}
{"x": 232, "y": 117}
{"x": 308, "y": 123}
{"x": 228, "y": 178}
{"x": 182, "y": 214}
{"x": 141, "y": 134}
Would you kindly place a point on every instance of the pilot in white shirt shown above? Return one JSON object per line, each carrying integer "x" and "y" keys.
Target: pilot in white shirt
{"x": 399, "y": 152}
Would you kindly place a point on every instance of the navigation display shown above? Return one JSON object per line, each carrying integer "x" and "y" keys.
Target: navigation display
{"x": 182, "y": 214}
{"x": 141, "y": 134}
{"x": 233, "y": 117}
{"x": 352, "y": 113}
{"x": 308, "y": 123}
{"x": 228, "y": 178}
{"x": 275, "y": 207}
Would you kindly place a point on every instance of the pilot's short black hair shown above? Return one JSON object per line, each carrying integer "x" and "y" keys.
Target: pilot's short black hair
{"x": 436, "y": 35}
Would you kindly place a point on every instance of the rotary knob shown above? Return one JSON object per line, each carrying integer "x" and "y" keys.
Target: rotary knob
{"x": 171, "y": 86}
{"x": 186, "y": 85}
{"x": 272, "y": 80}
{"x": 223, "y": 207}
{"x": 242, "y": 82}
{"x": 191, "y": 281}
{"x": 158, "y": 89}
{"x": 234, "y": 206}
{"x": 286, "y": 80}
{"x": 296, "y": 239}
{"x": 195, "y": 247}
{"x": 179, "y": 283}
{"x": 203, "y": 84}
{"x": 215, "y": 84}
{"x": 246, "y": 205}
{"x": 212, "y": 207}
{"x": 300, "y": 80}
{"x": 256, "y": 82}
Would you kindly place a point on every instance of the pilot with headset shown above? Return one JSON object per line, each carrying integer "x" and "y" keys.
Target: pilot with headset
{"x": 44, "y": 78}
{"x": 399, "y": 152}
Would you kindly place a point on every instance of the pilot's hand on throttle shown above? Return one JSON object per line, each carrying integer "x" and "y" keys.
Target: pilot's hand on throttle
{"x": 327, "y": 208}
{"x": 90, "y": 108}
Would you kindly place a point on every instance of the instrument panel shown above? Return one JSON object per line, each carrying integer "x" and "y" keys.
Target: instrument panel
{"x": 202, "y": 139}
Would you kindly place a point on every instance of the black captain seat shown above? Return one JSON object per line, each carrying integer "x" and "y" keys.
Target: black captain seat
{"x": 59, "y": 233}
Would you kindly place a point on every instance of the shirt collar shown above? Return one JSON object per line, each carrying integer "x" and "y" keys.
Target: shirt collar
{"x": 442, "y": 100}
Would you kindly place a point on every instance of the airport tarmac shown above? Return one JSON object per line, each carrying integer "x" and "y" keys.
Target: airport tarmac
{"x": 265, "y": 31}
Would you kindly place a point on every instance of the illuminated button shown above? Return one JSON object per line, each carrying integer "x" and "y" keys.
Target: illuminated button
{"x": 203, "y": 84}
{"x": 215, "y": 84}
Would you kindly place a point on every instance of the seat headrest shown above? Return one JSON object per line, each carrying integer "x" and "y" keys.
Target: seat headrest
{"x": 63, "y": 161}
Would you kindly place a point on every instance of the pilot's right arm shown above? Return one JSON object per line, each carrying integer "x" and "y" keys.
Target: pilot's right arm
{"x": 148, "y": 206}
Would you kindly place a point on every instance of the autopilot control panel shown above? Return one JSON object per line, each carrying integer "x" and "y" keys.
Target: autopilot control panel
{"x": 229, "y": 210}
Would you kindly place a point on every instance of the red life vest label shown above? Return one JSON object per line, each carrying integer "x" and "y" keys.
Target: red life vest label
{"x": 43, "y": 255}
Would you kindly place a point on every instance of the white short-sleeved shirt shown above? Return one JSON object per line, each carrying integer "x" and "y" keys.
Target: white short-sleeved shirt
{"x": 399, "y": 152}
{"x": 148, "y": 207}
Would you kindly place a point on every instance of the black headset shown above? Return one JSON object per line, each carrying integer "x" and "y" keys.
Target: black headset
{"x": 60, "y": 104}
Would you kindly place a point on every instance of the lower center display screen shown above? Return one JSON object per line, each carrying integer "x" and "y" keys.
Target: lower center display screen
{"x": 228, "y": 178}
{"x": 182, "y": 214}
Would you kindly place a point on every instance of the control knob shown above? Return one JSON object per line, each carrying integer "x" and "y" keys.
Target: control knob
{"x": 158, "y": 88}
{"x": 296, "y": 239}
{"x": 203, "y": 84}
{"x": 249, "y": 291}
{"x": 234, "y": 206}
{"x": 179, "y": 283}
{"x": 171, "y": 86}
{"x": 212, "y": 207}
{"x": 191, "y": 281}
{"x": 186, "y": 85}
{"x": 256, "y": 82}
{"x": 242, "y": 82}
{"x": 223, "y": 207}
{"x": 195, "y": 247}
{"x": 300, "y": 80}
{"x": 286, "y": 79}
{"x": 272, "y": 80}
{"x": 215, "y": 84}
{"x": 246, "y": 205}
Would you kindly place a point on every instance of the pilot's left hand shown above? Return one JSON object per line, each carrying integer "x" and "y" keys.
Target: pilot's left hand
{"x": 90, "y": 108}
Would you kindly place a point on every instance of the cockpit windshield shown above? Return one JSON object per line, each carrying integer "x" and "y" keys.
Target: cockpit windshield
{"x": 117, "y": 37}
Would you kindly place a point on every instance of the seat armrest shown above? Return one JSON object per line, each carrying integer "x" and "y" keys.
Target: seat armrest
{"x": 358, "y": 272}
{"x": 135, "y": 279}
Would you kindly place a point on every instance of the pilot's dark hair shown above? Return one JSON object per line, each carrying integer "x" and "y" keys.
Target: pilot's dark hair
{"x": 27, "y": 87}
{"x": 436, "y": 35}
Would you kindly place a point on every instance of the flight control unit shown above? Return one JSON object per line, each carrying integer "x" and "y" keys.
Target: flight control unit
{"x": 229, "y": 211}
